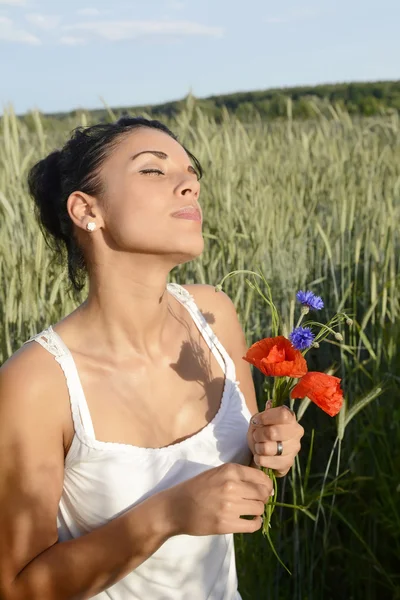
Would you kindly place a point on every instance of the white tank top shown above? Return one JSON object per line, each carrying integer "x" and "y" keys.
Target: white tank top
{"x": 104, "y": 479}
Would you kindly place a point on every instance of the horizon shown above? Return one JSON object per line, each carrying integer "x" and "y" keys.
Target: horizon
{"x": 128, "y": 106}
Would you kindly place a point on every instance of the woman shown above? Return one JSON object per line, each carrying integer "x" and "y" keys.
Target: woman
{"x": 125, "y": 472}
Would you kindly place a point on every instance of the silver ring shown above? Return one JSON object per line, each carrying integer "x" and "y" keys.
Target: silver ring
{"x": 279, "y": 448}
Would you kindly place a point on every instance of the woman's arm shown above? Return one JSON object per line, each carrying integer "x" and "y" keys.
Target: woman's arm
{"x": 32, "y": 564}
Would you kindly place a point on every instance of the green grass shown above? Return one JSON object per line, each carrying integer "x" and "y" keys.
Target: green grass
{"x": 315, "y": 204}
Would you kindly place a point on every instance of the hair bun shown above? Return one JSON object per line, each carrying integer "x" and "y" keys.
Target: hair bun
{"x": 45, "y": 186}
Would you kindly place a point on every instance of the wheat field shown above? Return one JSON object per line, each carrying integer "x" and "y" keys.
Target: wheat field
{"x": 315, "y": 204}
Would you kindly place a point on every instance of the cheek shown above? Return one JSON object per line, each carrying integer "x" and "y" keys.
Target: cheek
{"x": 132, "y": 228}
{"x": 135, "y": 216}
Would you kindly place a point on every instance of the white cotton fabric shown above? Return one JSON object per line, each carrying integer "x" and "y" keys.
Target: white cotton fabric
{"x": 102, "y": 480}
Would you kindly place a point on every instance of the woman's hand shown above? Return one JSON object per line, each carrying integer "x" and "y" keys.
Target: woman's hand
{"x": 269, "y": 427}
{"x": 214, "y": 501}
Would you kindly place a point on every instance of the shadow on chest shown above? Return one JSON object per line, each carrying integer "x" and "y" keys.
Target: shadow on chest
{"x": 158, "y": 403}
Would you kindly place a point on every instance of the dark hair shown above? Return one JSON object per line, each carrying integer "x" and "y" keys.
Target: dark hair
{"x": 76, "y": 167}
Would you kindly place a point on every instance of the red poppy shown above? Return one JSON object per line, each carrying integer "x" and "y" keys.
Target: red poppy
{"x": 322, "y": 389}
{"x": 276, "y": 357}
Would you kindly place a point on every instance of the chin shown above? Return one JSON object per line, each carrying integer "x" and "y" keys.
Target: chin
{"x": 188, "y": 251}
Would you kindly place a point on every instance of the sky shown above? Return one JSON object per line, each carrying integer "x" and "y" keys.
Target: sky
{"x": 58, "y": 55}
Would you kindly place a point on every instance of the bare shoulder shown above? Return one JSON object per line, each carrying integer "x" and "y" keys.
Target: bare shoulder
{"x": 219, "y": 311}
{"x": 30, "y": 383}
{"x": 209, "y": 293}
{"x": 28, "y": 365}
{"x": 219, "y": 307}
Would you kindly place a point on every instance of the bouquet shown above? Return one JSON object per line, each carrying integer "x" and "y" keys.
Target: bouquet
{"x": 283, "y": 359}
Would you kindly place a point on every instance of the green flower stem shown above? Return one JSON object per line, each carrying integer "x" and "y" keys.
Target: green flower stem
{"x": 255, "y": 286}
{"x": 268, "y": 511}
{"x": 219, "y": 285}
{"x": 278, "y": 396}
{"x": 303, "y": 313}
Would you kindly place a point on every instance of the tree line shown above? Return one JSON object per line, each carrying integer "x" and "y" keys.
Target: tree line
{"x": 364, "y": 99}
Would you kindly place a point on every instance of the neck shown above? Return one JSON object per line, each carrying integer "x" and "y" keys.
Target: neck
{"x": 129, "y": 308}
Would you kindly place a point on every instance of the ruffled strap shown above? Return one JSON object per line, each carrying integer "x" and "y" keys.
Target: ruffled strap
{"x": 221, "y": 355}
{"x": 52, "y": 342}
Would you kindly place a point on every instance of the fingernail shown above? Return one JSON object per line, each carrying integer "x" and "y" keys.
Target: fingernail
{"x": 255, "y": 421}
{"x": 272, "y": 492}
{"x": 268, "y": 405}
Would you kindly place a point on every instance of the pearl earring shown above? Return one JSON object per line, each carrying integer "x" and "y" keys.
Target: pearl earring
{"x": 91, "y": 226}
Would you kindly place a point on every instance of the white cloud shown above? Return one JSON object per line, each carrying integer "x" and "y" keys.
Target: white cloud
{"x": 91, "y": 12}
{"x": 12, "y": 2}
{"x": 10, "y": 33}
{"x": 46, "y": 22}
{"x": 70, "y": 40}
{"x": 123, "y": 30}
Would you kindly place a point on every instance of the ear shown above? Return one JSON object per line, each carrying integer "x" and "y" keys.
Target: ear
{"x": 83, "y": 209}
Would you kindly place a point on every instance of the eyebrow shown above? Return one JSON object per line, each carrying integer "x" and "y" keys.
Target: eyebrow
{"x": 163, "y": 156}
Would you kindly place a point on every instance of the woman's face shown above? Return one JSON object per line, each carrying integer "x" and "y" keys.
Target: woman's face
{"x": 147, "y": 177}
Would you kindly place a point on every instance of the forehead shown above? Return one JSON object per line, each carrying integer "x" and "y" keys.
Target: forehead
{"x": 145, "y": 138}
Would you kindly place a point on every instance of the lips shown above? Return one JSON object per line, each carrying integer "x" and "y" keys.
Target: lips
{"x": 188, "y": 213}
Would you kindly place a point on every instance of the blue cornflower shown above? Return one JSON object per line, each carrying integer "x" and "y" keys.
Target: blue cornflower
{"x": 310, "y": 300}
{"x": 302, "y": 338}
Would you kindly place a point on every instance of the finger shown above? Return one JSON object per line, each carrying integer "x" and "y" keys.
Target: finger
{"x": 277, "y": 463}
{"x": 250, "y": 491}
{"x": 272, "y": 416}
{"x": 236, "y": 472}
{"x": 246, "y": 525}
{"x": 269, "y": 448}
{"x": 253, "y": 508}
{"x": 278, "y": 433}
{"x": 235, "y": 491}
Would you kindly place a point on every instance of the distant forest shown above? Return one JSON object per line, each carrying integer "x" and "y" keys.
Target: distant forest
{"x": 367, "y": 99}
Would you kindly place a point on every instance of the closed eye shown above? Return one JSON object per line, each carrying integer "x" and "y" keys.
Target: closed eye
{"x": 152, "y": 171}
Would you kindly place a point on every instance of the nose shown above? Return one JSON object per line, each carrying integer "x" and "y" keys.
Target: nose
{"x": 189, "y": 187}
